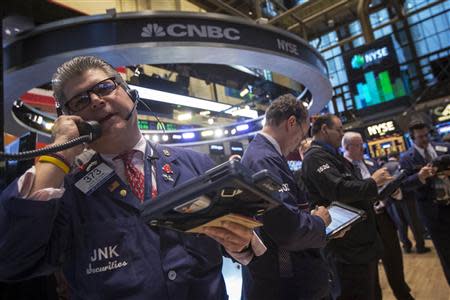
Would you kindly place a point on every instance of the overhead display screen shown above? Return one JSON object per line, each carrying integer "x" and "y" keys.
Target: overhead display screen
{"x": 374, "y": 74}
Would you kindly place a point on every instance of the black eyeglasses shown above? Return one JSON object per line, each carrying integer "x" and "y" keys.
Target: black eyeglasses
{"x": 82, "y": 100}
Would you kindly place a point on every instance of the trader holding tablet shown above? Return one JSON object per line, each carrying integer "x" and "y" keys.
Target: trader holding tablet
{"x": 352, "y": 143}
{"x": 88, "y": 221}
{"x": 292, "y": 267}
{"x": 429, "y": 188}
{"x": 329, "y": 177}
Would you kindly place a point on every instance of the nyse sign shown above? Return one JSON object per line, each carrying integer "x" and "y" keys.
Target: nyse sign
{"x": 375, "y": 55}
{"x": 381, "y": 129}
{"x": 287, "y": 46}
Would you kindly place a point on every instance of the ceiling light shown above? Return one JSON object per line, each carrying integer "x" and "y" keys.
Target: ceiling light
{"x": 210, "y": 121}
{"x": 155, "y": 138}
{"x": 245, "y": 70}
{"x": 243, "y": 112}
{"x": 165, "y": 137}
{"x": 184, "y": 116}
{"x": 205, "y": 113}
{"x": 176, "y": 137}
{"x": 176, "y": 99}
{"x": 48, "y": 125}
{"x": 155, "y": 95}
{"x": 207, "y": 133}
{"x": 218, "y": 132}
{"x": 242, "y": 127}
{"x": 188, "y": 135}
{"x": 244, "y": 92}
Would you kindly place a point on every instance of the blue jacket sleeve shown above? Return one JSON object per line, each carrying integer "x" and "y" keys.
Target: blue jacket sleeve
{"x": 290, "y": 227}
{"x": 30, "y": 236}
{"x": 411, "y": 182}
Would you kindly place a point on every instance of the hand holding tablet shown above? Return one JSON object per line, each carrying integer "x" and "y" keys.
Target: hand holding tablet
{"x": 342, "y": 216}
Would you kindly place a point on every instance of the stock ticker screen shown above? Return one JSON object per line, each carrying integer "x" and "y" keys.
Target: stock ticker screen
{"x": 374, "y": 74}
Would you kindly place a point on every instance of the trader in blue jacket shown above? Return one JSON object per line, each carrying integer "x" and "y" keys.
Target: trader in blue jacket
{"x": 292, "y": 267}
{"x": 421, "y": 183}
{"x": 87, "y": 221}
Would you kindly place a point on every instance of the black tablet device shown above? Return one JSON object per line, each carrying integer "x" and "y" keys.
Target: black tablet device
{"x": 390, "y": 187}
{"x": 228, "y": 190}
{"x": 342, "y": 216}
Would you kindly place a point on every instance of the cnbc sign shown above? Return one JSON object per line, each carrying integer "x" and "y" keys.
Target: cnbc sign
{"x": 369, "y": 58}
{"x": 190, "y": 31}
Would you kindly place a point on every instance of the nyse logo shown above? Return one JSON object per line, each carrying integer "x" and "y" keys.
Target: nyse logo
{"x": 375, "y": 55}
{"x": 191, "y": 30}
{"x": 287, "y": 47}
{"x": 381, "y": 129}
{"x": 369, "y": 58}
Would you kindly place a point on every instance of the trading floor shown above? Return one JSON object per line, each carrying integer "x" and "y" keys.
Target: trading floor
{"x": 423, "y": 274}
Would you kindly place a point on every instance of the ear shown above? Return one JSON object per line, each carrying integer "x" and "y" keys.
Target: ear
{"x": 323, "y": 128}
{"x": 291, "y": 121}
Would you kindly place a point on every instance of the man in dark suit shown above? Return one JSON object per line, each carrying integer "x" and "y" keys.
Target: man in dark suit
{"x": 353, "y": 145}
{"x": 87, "y": 220}
{"x": 292, "y": 267}
{"x": 329, "y": 177}
{"x": 421, "y": 183}
{"x": 404, "y": 214}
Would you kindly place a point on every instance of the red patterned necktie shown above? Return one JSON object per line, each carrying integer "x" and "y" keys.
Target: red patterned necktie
{"x": 134, "y": 176}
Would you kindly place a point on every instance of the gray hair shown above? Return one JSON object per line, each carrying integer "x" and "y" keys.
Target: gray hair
{"x": 348, "y": 136}
{"x": 76, "y": 67}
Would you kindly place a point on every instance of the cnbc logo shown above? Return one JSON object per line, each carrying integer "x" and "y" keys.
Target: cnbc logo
{"x": 369, "y": 58}
{"x": 191, "y": 31}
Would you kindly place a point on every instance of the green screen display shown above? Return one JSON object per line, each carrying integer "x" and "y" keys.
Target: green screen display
{"x": 379, "y": 88}
{"x": 374, "y": 74}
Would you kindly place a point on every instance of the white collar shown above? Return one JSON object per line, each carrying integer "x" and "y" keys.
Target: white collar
{"x": 140, "y": 147}
{"x": 430, "y": 150}
{"x": 272, "y": 141}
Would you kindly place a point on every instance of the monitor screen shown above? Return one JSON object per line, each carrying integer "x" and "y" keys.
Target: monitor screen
{"x": 386, "y": 145}
{"x": 443, "y": 128}
{"x": 237, "y": 148}
{"x": 374, "y": 74}
{"x": 294, "y": 165}
{"x": 217, "y": 149}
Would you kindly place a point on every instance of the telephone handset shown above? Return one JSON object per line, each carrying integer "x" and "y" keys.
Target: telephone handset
{"x": 90, "y": 128}
{"x": 89, "y": 131}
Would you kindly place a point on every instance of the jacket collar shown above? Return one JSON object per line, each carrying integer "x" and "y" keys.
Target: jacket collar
{"x": 327, "y": 147}
{"x": 167, "y": 173}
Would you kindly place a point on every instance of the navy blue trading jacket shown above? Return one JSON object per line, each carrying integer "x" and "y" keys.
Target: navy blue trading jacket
{"x": 411, "y": 161}
{"x": 288, "y": 227}
{"x": 105, "y": 250}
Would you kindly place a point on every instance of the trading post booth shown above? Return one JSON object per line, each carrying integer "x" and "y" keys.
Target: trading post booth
{"x": 384, "y": 138}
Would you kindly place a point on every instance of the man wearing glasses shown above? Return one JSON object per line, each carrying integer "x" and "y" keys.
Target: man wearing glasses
{"x": 292, "y": 267}
{"x": 87, "y": 220}
{"x": 330, "y": 177}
